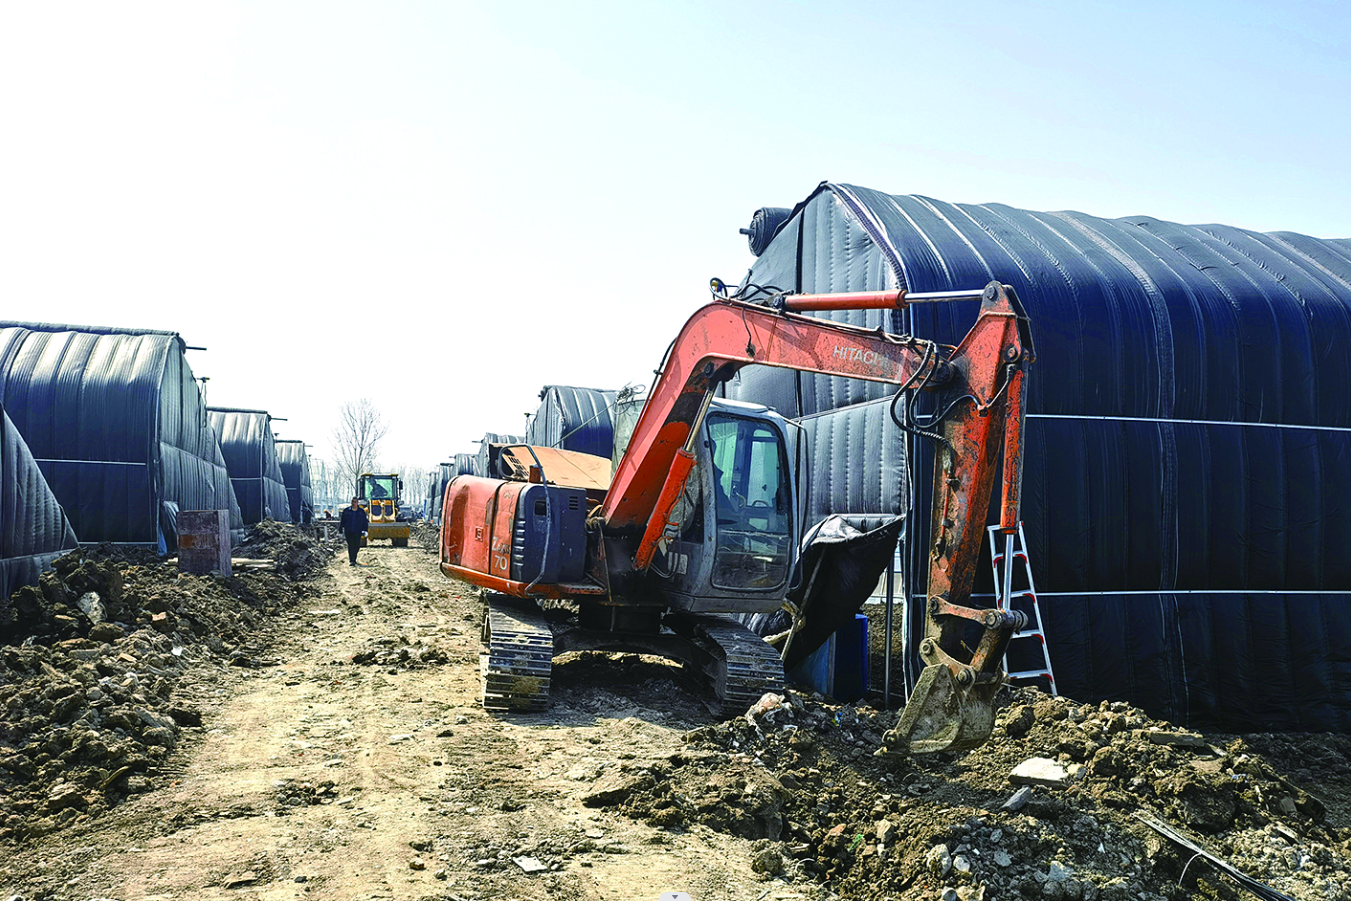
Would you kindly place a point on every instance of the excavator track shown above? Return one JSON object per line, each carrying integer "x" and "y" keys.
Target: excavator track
{"x": 518, "y": 660}
{"x": 743, "y": 666}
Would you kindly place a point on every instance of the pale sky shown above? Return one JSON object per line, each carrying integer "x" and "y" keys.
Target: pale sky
{"x": 446, "y": 206}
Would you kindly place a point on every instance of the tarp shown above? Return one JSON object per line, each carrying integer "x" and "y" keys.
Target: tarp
{"x": 436, "y": 489}
{"x": 482, "y": 461}
{"x": 115, "y": 420}
{"x": 575, "y": 419}
{"x": 295, "y": 475}
{"x": 1188, "y": 438}
{"x": 250, "y": 452}
{"x": 34, "y": 530}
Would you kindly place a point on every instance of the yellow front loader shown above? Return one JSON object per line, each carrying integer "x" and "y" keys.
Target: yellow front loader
{"x": 378, "y": 495}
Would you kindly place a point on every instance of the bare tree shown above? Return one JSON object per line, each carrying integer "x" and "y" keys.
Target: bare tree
{"x": 414, "y": 485}
{"x": 356, "y": 440}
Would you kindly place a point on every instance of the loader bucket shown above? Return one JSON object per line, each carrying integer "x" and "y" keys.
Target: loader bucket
{"x": 942, "y": 716}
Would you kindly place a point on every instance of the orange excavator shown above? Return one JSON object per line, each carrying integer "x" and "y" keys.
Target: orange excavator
{"x": 701, "y": 517}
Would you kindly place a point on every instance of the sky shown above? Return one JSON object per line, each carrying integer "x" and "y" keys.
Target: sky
{"x": 445, "y": 206}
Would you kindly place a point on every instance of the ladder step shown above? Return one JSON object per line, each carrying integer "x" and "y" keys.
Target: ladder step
{"x": 1006, "y": 550}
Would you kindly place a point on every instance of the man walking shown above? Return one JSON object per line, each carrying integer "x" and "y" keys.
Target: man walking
{"x": 354, "y": 523}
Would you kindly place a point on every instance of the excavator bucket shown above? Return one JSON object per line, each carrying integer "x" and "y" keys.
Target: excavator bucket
{"x": 942, "y": 716}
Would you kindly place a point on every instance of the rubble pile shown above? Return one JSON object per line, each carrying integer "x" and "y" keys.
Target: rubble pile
{"x": 90, "y": 667}
{"x": 1049, "y": 808}
{"x": 401, "y": 653}
{"x": 295, "y": 551}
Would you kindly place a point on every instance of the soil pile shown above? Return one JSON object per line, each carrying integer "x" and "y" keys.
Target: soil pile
{"x": 296, "y": 552}
{"x": 90, "y": 700}
{"x": 801, "y": 777}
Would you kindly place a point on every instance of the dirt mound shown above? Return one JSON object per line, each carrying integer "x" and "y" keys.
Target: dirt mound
{"x": 802, "y": 778}
{"x": 90, "y": 704}
{"x": 296, "y": 552}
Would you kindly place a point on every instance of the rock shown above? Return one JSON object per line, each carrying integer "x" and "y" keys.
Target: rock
{"x": 886, "y": 832}
{"x": 1018, "y": 720}
{"x": 938, "y": 860}
{"x": 768, "y": 862}
{"x": 1105, "y": 762}
{"x": 1018, "y": 800}
{"x": 91, "y": 605}
{"x": 1039, "y": 771}
{"x": 615, "y": 789}
{"x": 186, "y": 716}
{"x": 971, "y": 893}
{"x": 530, "y": 864}
{"x": 1058, "y": 872}
{"x": 1173, "y": 739}
{"x": 949, "y": 894}
{"x": 960, "y": 864}
{"x": 248, "y": 877}
{"x": 64, "y": 795}
{"x": 417, "y": 863}
{"x": 1001, "y": 859}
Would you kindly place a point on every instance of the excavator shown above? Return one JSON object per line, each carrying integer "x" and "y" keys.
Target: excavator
{"x": 700, "y": 518}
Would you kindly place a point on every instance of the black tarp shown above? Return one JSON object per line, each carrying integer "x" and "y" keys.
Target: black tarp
{"x": 1188, "y": 437}
{"x": 250, "y": 452}
{"x": 575, "y": 419}
{"x": 295, "y": 475}
{"x": 34, "y": 530}
{"x": 483, "y": 460}
{"x": 116, "y": 422}
{"x": 436, "y": 489}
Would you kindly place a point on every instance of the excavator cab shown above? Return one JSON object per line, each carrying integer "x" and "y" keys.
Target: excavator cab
{"x": 739, "y": 526}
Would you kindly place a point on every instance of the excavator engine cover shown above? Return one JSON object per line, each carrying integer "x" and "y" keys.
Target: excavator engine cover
{"x": 514, "y": 531}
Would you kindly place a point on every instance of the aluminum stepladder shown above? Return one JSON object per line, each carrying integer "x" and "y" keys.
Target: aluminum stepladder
{"x": 1025, "y": 599}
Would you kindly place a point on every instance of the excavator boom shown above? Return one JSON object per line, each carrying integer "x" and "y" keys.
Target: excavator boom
{"x": 980, "y": 387}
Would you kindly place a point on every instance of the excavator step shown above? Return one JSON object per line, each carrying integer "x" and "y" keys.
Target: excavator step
{"x": 518, "y": 662}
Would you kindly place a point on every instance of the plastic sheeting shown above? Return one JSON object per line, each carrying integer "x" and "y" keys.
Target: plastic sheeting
{"x": 116, "y": 422}
{"x": 34, "y": 530}
{"x": 482, "y": 460}
{"x": 1188, "y": 436}
{"x": 295, "y": 475}
{"x": 250, "y": 452}
{"x": 575, "y": 419}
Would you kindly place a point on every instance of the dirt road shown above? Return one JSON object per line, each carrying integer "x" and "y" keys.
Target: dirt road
{"x": 303, "y": 733}
{"x": 360, "y": 766}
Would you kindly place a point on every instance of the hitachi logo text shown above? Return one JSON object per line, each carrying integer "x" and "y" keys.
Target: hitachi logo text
{"x": 857, "y": 353}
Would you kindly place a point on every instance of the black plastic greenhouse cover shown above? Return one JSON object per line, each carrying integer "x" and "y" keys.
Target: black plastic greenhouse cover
{"x": 115, "y": 420}
{"x": 1187, "y": 490}
{"x": 575, "y": 419}
{"x": 437, "y": 480}
{"x": 35, "y": 529}
{"x": 482, "y": 466}
{"x": 295, "y": 475}
{"x": 250, "y": 452}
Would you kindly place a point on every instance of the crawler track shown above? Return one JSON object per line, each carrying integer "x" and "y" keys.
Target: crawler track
{"x": 744, "y": 667}
{"x": 518, "y": 660}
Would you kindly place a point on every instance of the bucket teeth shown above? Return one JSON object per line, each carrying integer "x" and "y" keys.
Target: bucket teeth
{"x": 519, "y": 659}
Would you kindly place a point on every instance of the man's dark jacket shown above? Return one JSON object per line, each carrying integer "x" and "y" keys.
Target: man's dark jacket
{"x": 354, "y": 521}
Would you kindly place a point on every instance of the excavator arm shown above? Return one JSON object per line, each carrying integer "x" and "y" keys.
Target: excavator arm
{"x": 979, "y": 387}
